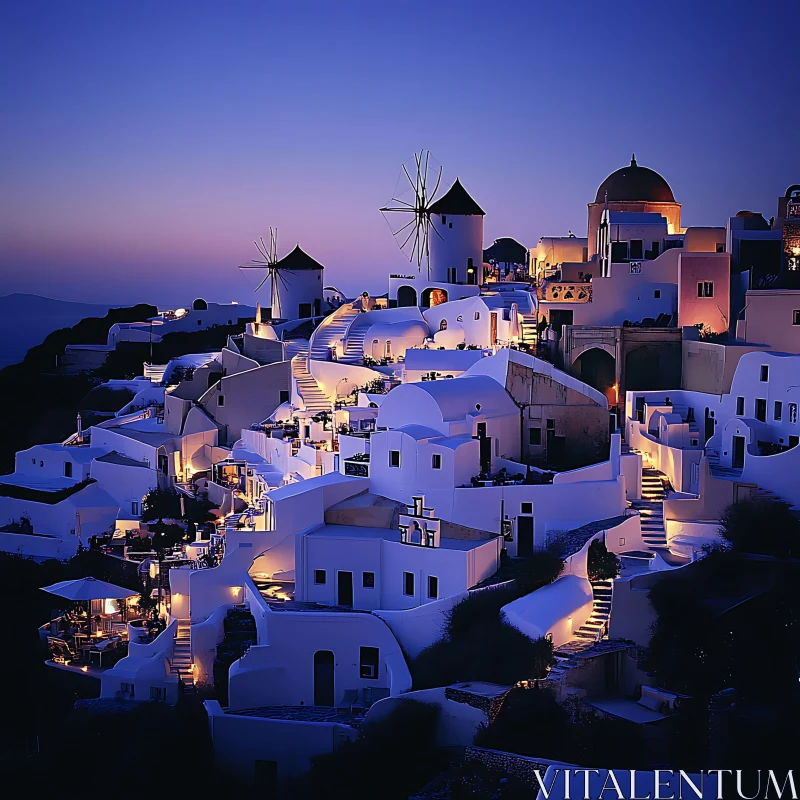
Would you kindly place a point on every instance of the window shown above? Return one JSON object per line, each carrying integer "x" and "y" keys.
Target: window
{"x": 740, "y": 406}
{"x": 67, "y": 469}
{"x": 320, "y": 576}
{"x": 761, "y": 409}
{"x": 369, "y": 658}
{"x": 535, "y": 436}
{"x": 284, "y": 396}
{"x": 793, "y": 412}
{"x": 158, "y": 694}
{"x": 408, "y": 584}
{"x": 777, "y": 412}
{"x": 478, "y": 316}
{"x": 551, "y": 424}
{"x": 135, "y": 508}
{"x": 764, "y": 373}
{"x": 199, "y": 322}
{"x": 443, "y": 325}
{"x": 41, "y": 463}
{"x": 33, "y": 461}
{"x": 636, "y": 248}
{"x": 796, "y": 317}
{"x": 220, "y": 400}
{"x": 526, "y": 508}
{"x": 436, "y": 461}
{"x": 622, "y": 542}
{"x": 705, "y": 289}
{"x": 368, "y": 580}
{"x": 444, "y": 220}
{"x": 794, "y": 441}
{"x": 126, "y": 688}
{"x": 619, "y": 251}
{"x": 720, "y": 247}
{"x": 433, "y": 587}
{"x": 657, "y": 293}
{"x": 394, "y": 458}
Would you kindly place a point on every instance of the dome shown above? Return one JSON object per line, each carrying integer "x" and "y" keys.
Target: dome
{"x": 634, "y": 183}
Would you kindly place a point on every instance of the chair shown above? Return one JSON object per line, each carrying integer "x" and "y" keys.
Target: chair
{"x": 349, "y": 700}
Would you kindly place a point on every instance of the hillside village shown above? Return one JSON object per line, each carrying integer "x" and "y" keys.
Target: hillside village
{"x": 497, "y": 489}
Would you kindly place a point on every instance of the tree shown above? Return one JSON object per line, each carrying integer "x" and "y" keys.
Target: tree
{"x": 602, "y": 565}
{"x": 761, "y": 526}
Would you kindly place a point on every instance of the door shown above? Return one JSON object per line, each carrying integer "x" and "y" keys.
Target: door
{"x": 709, "y": 425}
{"x": 485, "y": 448}
{"x": 323, "y": 678}
{"x": 305, "y": 311}
{"x": 344, "y": 589}
{"x": 493, "y": 328}
{"x": 738, "y": 452}
{"x": 524, "y": 537}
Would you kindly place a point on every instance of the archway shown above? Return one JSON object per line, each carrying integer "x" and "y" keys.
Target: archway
{"x": 199, "y": 305}
{"x": 648, "y": 368}
{"x": 597, "y": 368}
{"x": 433, "y": 297}
{"x": 406, "y": 296}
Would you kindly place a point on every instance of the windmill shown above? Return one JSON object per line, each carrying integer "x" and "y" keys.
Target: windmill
{"x": 413, "y": 198}
{"x": 269, "y": 261}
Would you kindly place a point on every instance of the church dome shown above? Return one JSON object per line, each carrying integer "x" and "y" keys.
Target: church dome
{"x": 634, "y": 183}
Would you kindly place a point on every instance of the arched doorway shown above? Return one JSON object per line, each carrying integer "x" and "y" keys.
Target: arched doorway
{"x": 199, "y": 305}
{"x": 648, "y": 368}
{"x": 597, "y": 368}
{"x": 406, "y": 296}
{"x": 433, "y": 297}
{"x": 323, "y": 678}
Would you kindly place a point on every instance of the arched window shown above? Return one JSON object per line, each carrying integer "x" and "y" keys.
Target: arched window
{"x": 199, "y": 305}
{"x": 443, "y": 325}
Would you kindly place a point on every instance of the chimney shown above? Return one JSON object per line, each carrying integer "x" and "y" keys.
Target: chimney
{"x": 80, "y": 429}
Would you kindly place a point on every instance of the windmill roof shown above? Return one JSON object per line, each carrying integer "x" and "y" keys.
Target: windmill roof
{"x": 457, "y": 200}
{"x": 298, "y": 259}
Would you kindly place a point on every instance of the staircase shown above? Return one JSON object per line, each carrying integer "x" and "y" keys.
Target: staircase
{"x": 601, "y": 612}
{"x": 181, "y": 662}
{"x": 311, "y": 396}
{"x": 526, "y": 308}
{"x": 331, "y": 330}
{"x": 354, "y": 345}
{"x": 530, "y": 331}
{"x": 651, "y": 509}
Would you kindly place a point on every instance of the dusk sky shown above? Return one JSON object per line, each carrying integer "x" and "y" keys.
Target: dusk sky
{"x": 144, "y": 145}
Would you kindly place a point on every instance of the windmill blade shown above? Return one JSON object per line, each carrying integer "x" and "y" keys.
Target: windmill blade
{"x": 436, "y": 188}
{"x": 263, "y": 281}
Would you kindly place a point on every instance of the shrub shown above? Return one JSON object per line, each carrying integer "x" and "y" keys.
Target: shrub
{"x": 601, "y": 564}
{"x": 762, "y": 526}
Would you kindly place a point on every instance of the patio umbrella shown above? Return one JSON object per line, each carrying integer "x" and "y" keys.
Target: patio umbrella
{"x": 89, "y": 589}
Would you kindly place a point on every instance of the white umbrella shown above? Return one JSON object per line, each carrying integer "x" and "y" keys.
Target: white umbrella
{"x": 514, "y": 321}
{"x": 89, "y": 589}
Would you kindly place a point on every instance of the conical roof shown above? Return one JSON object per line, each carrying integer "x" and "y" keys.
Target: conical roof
{"x": 456, "y": 200}
{"x": 298, "y": 259}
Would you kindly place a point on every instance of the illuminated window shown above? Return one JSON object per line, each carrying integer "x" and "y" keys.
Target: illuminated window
{"x": 705, "y": 289}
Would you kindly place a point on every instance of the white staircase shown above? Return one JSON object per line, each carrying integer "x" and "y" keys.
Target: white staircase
{"x": 181, "y": 662}
{"x": 311, "y": 396}
{"x": 651, "y": 509}
{"x": 526, "y": 308}
{"x": 354, "y": 345}
{"x": 331, "y": 330}
{"x": 596, "y": 627}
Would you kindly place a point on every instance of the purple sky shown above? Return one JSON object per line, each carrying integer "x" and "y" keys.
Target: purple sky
{"x": 144, "y": 144}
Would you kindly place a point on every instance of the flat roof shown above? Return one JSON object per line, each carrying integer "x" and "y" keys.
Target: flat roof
{"x": 390, "y": 535}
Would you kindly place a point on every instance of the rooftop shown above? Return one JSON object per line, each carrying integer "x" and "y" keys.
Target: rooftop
{"x": 341, "y": 716}
{"x": 390, "y": 535}
{"x": 632, "y": 183}
{"x": 456, "y": 200}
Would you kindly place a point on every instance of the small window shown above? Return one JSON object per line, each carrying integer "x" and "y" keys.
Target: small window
{"x": 220, "y": 400}
{"x": 368, "y": 580}
{"x": 67, "y": 469}
{"x": 526, "y": 508}
{"x": 551, "y": 424}
{"x": 478, "y": 316}
{"x": 444, "y": 219}
{"x": 657, "y": 293}
{"x": 740, "y": 406}
{"x": 720, "y": 247}
{"x": 320, "y": 577}
{"x": 443, "y": 325}
{"x": 777, "y": 412}
{"x": 449, "y": 224}
{"x": 535, "y": 436}
{"x": 796, "y": 317}
{"x": 369, "y": 658}
{"x": 199, "y": 322}
{"x": 761, "y": 409}
{"x": 394, "y": 458}
{"x": 705, "y": 289}
{"x": 284, "y": 396}
{"x": 408, "y": 584}
{"x": 764, "y": 373}
{"x": 33, "y": 461}
{"x": 158, "y": 694}
{"x": 135, "y": 508}
{"x": 41, "y": 463}
{"x": 622, "y": 542}
{"x": 436, "y": 461}
{"x": 636, "y": 248}
{"x": 433, "y": 587}
{"x": 126, "y": 688}
{"x": 793, "y": 413}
